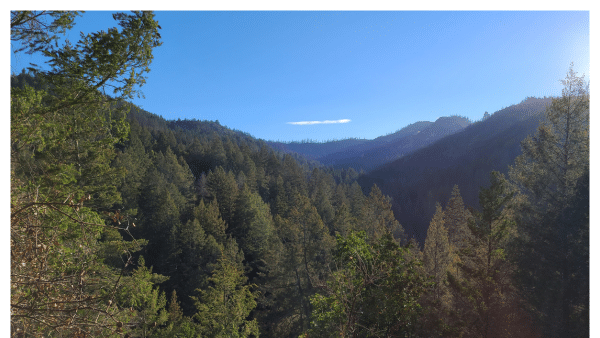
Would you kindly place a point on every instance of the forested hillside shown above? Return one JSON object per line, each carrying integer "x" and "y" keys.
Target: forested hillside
{"x": 124, "y": 224}
{"x": 315, "y": 150}
{"x": 386, "y": 149}
{"x": 420, "y": 179}
{"x": 364, "y": 155}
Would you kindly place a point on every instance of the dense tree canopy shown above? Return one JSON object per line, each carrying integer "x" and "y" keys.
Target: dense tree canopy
{"x": 124, "y": 224}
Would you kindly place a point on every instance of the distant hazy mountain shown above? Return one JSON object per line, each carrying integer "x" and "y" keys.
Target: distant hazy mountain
{"x": 314, "y": 150}
{"x": 426, "y": 176}
{"x": 388, "y": 148}
{"x": 369, "y": 154}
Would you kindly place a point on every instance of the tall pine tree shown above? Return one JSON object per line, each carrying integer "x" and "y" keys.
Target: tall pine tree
{"x": 436, "y": 253}
{"x": 553, "y": 162}
{"x": 485, "y": 289}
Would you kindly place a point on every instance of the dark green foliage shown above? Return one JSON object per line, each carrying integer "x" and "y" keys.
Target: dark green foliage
{"x": 113, "y": 58}
{"x": 252, "y": 225}
{"x": 242, "y": 236}
{"x": 186, "y": 223}
{"x": 224, "y": 188}
{"x": 224, "y": 306}
{"x": 373, "y": 293}
{"x": 484, "y": 293}
{"x": 179, "y": 326}
{"x": 145, "y": 302}
{"x": 63, "y": 139}
{"x": 313, "y": 150}
{"x": 134, "y": 162}
{"x": 437, "y": 253}
{"x": 553, "y": 249}
{"x": 456, "y": 218}
{"x": 320, "y": 187}
{"x": 377, "y": 217}
{"x": 192, "y": 255}
{"x": 210, "y": 219}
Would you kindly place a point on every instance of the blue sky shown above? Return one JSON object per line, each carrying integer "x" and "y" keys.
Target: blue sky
{"x": 371, "y": 72}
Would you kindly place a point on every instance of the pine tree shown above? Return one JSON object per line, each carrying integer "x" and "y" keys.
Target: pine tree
{"x": 210, "y": 219}
{"x": 485, "y": 291}
{"x": 178, "y": 326}
{"x": 436, "y": 253}
{"x": 456, "y": 219}
{"x": 63, "y": 134}
{"x": 357, "y": 199}
{"x": 224, "y": 307}
{"x": 343, "y": 222}
{"x": 320, "y": 188}
{"x": 378, "y": 218}
{"x": 300, "y": 266}
{"x": 278, "y": 197}
{"x": 373, "y": 293}
{"x": 556, "y": 156}
{"x": 176, "y": 172}
{"x": 223, "y": 187}
{"x": 135, "y": 161}
{"x": 145, "y": 301}
{"x": 189, "y": 256}
{"x": 252, "y": 225}
{"x": 554, "y": 160}
{"x": 216, "y": 152}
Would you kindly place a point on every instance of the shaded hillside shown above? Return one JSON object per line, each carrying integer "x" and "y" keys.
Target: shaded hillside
{"x": 419, "y": 180}
{"x": 314, "y": 150}
{"x": 411, "y": 129}
{"x": 386, "y": 149}
{"x": 338, "y": 149}
{"x": 354, "y": 152}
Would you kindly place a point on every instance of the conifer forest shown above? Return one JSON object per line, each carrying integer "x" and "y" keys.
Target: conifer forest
{"x": 124, "y": 224}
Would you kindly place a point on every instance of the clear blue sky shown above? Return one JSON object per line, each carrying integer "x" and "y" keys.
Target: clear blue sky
{"x": 377, "y": 71}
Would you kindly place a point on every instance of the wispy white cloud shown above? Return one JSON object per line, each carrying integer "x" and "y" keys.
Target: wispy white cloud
{"x": 303, "y": 123}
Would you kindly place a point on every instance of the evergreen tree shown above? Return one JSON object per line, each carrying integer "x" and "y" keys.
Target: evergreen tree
{"x": 250, "y": 171}
{"x": 373, "y": 293}
{"x": 320, "y": 188}
{"x": 554, "y": 160}
{"x": 224, "y": 307}
{"x": 191, "y": 254}
{"x": 377, "y": 217}
{"x": 201, "y": 185}
{"x": 357, "y": 199}
{"x": 178, "y": 326}
{"x": 34, "y": 33}
{"x": 301, "y": 266}
{"x": 216, "y": 152}
{"x": 146, "y": 302}
{"x": 436, "y": 253}
{"x": 486, "y": 291}
{"x": 223, "y": 187}
{"x": 252, "y": 225}
{"x": 210, "y": 219}
{"x": 293, "y": 177}
{"x": 62, "y": 143}
{"x": 175, "y": 171}
{"x": 456, "y": 218}
{"x": 556, "y": 156}
{"x": 279, "y": 200}
{"x": 134, "y": 161}
{"x": 343, "y": 222}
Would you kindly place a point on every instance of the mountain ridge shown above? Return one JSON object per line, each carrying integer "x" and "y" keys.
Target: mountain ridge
{"x": 417, "y": 181}
{"x": 415, "y": 136}
{"x": 363, "y": 154}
